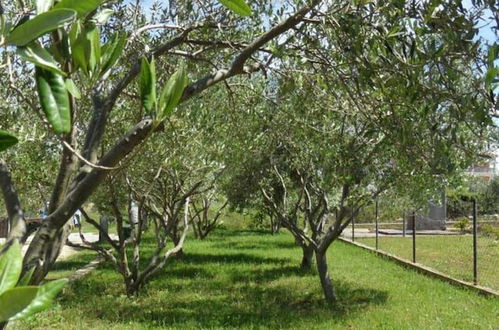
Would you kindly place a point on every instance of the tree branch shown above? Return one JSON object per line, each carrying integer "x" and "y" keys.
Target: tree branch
{"x": 237, "y": 66}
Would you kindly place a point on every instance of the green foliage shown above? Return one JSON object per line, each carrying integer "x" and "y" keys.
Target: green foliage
{"x": 21, "y": 301}
{"x": 377, "y": 102}
{"x": 39, "y": 56}
{"x": 147, "y": 84}
{"x": 86, "y": 48}
{"x": 45, "y": 294}
{"x": 103, "y": 16}
{"x": 72, "y": 89}
{"x": 259, "y": 221}
{"x": 7, "y": 140}
{"x": 80, "y": 47}
{"x": 492, "y": 74}
{"x": 486, "y": 194}
{"x": 24, "y": 280}
{"x": 10, "y": 267}
{"x": 488, "y": 201}
{"x": 94, "y": 59}
{"x": 459, "y": 203}
{"x": 92, "y": 37}
{"x": 13, "y": 301}
{"x": 40, "y": 25}
{"x": 112, "y": 51}
{"x": 171, "y": 93}
{"x": 54, "y": 100}
{"x": 463, "y": 224}
{"x": 83, "y": 8}
{"x": 239, "y": 7}
{"x": 490, "y": 231}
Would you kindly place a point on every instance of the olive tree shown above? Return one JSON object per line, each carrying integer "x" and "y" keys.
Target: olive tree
{"x": 388, "y": 97}
{"x": 76, "y": 53}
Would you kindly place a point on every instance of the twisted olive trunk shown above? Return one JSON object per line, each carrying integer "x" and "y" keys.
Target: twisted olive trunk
{"x": 51, "y": 236}
{"x": 308, "y": 256}
{"x": 327, "y": 285}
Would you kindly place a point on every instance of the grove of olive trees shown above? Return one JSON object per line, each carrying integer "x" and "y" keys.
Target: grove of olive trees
{"x": 306, "y": 110}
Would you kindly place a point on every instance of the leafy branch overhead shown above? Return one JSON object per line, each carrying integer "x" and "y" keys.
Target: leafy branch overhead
{"x": 40, "y": 25}
{"x": 492, "y": 74}
{"x": 170, "y": 95}
{"x": 82, "y": 46}
{"x": 88, "y": 55}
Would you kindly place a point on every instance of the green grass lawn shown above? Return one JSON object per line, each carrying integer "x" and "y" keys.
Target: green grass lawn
{"x": 67, "y": 267}
{"x": 452, "y": 255}
{"x": 250, "y": 280}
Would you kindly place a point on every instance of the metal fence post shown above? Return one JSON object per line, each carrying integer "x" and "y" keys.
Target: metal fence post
{"x": 377, "y": 225}
{"x": 475, "y": 264}
{"x": 353, "y": 227}
{"x": 403, "y": 224}
{"x": 414, "y": 237}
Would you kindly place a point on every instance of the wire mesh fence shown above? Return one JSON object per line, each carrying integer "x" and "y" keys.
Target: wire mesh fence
{"x": 464, "y": 246}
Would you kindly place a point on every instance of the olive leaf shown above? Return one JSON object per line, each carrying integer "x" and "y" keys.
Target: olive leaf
{"x": 54, "y": 99}
{"x": 21, "y": 301}
{"x": 147, "y": 84}
{"x": 103, "y": 16}
{"x": 7, "y": 140}
{"x": 172, "y": 93}
{"x": 72, "y": 89}
{"x": 82, "y": 7}
{"x": 10, "y": 267}
{"x": 15, "y": 300}
{"x": 239, "y": 7}
{"x": 85, "y": 47}
{"x": 112, "y": 51}
{"x": 43, "y": 298}
{"x": 39, "y": 56}
{"x": 39, "y": 25}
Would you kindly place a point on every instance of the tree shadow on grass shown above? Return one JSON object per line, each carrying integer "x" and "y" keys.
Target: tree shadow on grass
{"x": 230, "y": 258}
{"x": 228, "y": 290}
{"x": 259, "y": 245}
{"x": 193, "y": 265}
{"x": 248, "y": 307}
{"x": 219, "y": 233}
{"x": 266, "y": 275}
{"x": 72, "y": 264}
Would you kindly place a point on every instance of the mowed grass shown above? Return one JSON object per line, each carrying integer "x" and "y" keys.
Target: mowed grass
{"x": 250, "y": 280}
{"x": 67, "y": 267}
{"x": 452, "y": 255}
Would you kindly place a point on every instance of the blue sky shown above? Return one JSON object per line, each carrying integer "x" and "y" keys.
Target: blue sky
{"x": 485, "y": 25}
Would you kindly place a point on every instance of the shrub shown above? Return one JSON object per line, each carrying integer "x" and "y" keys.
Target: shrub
{"x": 462, "y": 224}
{"x": 490, "y": 231}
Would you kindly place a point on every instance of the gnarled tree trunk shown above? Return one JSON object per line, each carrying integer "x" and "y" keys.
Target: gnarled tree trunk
{"x": 308, "y": 257}
{"x": 327, "y": 285}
